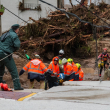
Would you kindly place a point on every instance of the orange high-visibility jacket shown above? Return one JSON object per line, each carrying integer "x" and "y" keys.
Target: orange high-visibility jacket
{"x": 54, "y": 68}
{"x": 35, "y": 68}
{"x": 81, "y": 74}
{"x": 68, "y": 69}
{"x": 75, "y": 68}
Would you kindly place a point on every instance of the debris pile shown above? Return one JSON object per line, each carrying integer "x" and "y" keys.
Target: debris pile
{"x": 58, "y": 31}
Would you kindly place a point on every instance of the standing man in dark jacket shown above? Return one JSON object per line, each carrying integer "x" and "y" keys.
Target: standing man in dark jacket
{"x": 9, "y": 43}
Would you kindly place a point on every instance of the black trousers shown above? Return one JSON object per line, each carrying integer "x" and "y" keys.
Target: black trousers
{"x": 101, "y": 68}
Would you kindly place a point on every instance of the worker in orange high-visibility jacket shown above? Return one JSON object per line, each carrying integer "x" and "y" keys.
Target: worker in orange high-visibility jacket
{"x": 80, "y": 72}
{"x": 68, "y": 70}
{"x": 36, "y": 70}
{"x": 75, "y": 69}
{"x": 54, "y": 67}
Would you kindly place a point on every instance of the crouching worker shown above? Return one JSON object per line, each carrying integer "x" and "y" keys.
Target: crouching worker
{"x": 36, "y": 70}
{"x": 75, "y": 69}
{"x": 107, "y": 72}
{"x": 80, "y": 72}
{"x": 68, "y": 70}
{"x": 54, "y": 67}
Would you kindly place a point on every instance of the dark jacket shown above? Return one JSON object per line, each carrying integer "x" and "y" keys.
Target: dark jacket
{"x": 9, "y": 42}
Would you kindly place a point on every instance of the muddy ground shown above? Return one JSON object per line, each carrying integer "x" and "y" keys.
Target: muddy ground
{"x": 88, "y": 67}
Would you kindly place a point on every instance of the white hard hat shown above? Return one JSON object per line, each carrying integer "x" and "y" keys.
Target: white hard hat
{"x": 37, "y": 56}
{"x": 64, "y": 60}
{"x": 61, "y": 51}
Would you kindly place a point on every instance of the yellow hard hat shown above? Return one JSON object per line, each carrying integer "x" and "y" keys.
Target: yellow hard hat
{"x": 78, "y": 65}
{"x": 69, "y": 60}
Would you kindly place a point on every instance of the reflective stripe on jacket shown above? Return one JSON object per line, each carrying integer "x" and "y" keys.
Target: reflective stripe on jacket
{"x": 75, "y": 68}
{"x": 69, "y": 72}
{"x": 34, "y": 70}
{"x": 68, "y": 69}
{"x": 81, "y": 74}
{"x": 54, "y": 68}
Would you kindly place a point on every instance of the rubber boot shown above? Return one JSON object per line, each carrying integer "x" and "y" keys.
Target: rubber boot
{"x": 2, "y": 70}
{"x": 31, "y": 85}
{"x": 17, "y": 85}
{"x": 42, "y": 85}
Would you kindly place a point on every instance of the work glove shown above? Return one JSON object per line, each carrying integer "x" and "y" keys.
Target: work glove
{"x": 61, "y": 81}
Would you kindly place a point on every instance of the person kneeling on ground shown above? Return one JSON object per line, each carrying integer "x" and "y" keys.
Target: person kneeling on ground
{"x": 36, "y": 70}
{"x": 75, "y": 68}
{"x": 68, "y": 71}
{"x": 54, "y": 67}
{"x": 80, "y": 72}
{"x": 107, "y": 72}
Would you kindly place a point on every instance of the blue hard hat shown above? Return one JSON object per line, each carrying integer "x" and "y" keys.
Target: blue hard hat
{"x": 62, "y": 76}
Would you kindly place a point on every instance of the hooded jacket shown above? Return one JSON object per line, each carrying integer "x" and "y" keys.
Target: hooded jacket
{"x": 81, "y": 74}
{"x": 36, "y": 69}
{"x": 69, "y": 72}
{"x": 54, "y": 68}
{"x": 75, "y": 68}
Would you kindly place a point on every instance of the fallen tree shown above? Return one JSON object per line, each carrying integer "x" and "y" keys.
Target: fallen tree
{"x": 58, "y": 31}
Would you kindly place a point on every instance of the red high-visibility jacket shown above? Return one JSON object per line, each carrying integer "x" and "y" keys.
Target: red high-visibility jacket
{"x": 54, "y": 68}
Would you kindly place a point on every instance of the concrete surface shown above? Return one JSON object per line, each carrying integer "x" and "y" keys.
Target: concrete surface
{"x": 88, "y": 83}
{"x": 83, "y": 95}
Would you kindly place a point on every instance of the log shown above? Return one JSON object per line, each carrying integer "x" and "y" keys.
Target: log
{"x": 86, "y": 35}
{"x": 56, "y": 15}
{"x": 56, "y": 34}
{"x": 107, "y": 33}
{"x": 45, "y": 33}
{"x": 55, "y": 27}
{"x": 35, "y": 20}
{"x": 53, "y": 12}
{"x": 25, "y": 42}
{"x": 53, "y": 42}
{"x": 70, "y": 40}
